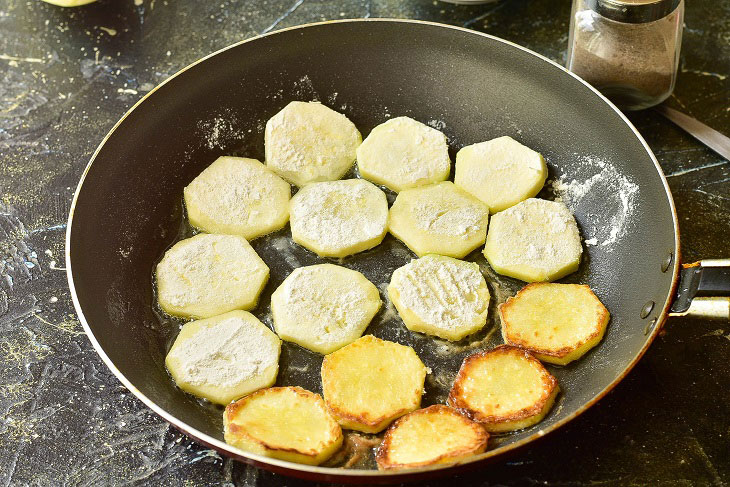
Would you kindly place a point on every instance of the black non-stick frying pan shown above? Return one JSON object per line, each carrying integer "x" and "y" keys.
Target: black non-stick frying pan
{"x": 128, "y": 207}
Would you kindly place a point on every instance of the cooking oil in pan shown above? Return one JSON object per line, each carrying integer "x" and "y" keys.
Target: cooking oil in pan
{"x": 301, "y": 367}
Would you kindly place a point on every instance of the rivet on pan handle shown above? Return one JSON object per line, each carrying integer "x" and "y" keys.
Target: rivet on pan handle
{"x": 704, "y": 290}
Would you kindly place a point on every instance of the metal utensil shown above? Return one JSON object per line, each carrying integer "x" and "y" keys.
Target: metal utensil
{"x": 713, "y": 139}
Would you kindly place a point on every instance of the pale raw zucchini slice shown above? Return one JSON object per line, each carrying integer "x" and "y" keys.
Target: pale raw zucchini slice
{"x": 238, "y": 196}
{"x": 69, "y": 3}
{"x": 500, "y": 172}
{"x": 439, "y": 219}
{"x": 557, "y": 322}
{"x": 224, "y": 357}
{"x": 403, "y": 153}
{"x": 207, "y": 275}
{"x": 339, "y": 218}
{"x": 440, "y": 296}
{"x": 324, "y": 307}
{"x": 371, "y": 382}
{"x": 288, "y": 423}
{"x": 536, "y": 240}
{"x": 505, "y": 389}
{"x": 308, "y": 142}
{"x": 434, "y": 435}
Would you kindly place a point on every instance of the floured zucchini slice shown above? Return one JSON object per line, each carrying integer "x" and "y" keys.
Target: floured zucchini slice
{"x": 207, "y": 275}
{"x": 224, "y": 357}
{"x": 536, "y": 240}
{"x": 238, "y": 196}
{"x": 505, "y": 389}
{"x": 436, "y": 434}
{"x": 308, "y": 142}
{"x": 403, "y": 153}
{"x": 440, "y": 296}
{"x": 557, "y": 322}
{"x": 500, "y": 172}
{"x": 371, "y": 382}
{"x": 439, "y": 219}
{"x": 339, "y": 218}
{"x": 288, "y": 423}
{"x": 324, "y": 307}
{"x": 69, "y": 3}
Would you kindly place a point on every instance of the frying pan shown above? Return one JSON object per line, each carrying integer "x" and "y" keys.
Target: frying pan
{"x": 127, "y": 209}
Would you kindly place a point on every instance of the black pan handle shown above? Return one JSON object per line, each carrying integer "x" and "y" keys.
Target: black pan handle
{"x": 704, "y": 290}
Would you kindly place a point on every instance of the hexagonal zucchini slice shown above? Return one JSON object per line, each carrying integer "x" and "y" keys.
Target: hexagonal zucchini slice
{"x": 339, "y": 218}
{"x": 207, "y": 275}
{"x": 559, "y": 323}
{"x": 440, "y": 296}
{"x": 505, "y": 389}
{"x": 307, "y": 142}
{"x": 371, "y": 382}
{"x": 238, "y": 196}
{"x": 500, "y": 172}
{"x": 434, "y": 435}
{"x": 439, "y": 219}
{"x": 224, "y": 357}
{"x": 324, "y": 307}
{"x": 289, "y": 423}
{"x": 536, "y": 240}
{"x": 403, "y": 153}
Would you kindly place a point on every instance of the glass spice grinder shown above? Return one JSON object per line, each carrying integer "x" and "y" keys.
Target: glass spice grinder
{"x": 627, "y": 49}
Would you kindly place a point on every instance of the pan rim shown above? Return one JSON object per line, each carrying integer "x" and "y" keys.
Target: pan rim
{"x": 338, "y": 473}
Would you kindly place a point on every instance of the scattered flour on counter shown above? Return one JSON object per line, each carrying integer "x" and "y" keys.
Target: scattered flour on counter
{"x": 612, "y": 195}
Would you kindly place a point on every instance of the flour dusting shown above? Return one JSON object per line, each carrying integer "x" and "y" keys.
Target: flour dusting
{"x": 226, "y": 353}
{"x": 447, "y": 295}
{"x": 218, "y": 131}
{"x": 603, "y": 183}
{"x": 336, "y": 217}
{"x": 437, "y": 124}
{"x": 304, "y": 89}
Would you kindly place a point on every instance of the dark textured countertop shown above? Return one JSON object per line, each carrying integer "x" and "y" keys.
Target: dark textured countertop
{"x": 69, "y": 74}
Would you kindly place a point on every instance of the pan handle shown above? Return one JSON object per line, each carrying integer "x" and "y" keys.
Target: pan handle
{"x": 704, "y": 290}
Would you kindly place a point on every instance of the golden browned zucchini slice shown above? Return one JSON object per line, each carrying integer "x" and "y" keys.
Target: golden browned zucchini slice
{"x": 289, "y": 423}
{"x": 370, "y": 382}
{"x": 436, "y": 434}
{"x": 557, "y": 322}
{"x": 505, "y": 389}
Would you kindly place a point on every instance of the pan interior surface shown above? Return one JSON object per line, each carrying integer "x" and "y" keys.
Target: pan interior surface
{"x": 128, "y": 209}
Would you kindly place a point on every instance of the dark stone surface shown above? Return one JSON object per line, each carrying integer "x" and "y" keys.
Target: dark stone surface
{"x": 69, "y": 74}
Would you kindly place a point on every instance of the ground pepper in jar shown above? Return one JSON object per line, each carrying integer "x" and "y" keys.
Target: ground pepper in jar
{"x": 627, "y": 49}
